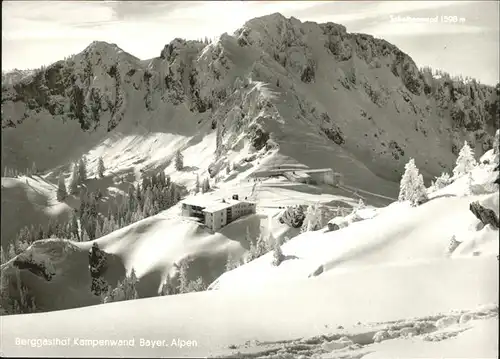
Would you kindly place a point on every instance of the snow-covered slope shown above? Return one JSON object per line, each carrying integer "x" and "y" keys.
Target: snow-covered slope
{"x": 413, "y": 295}
{"x": 154, "y": 245}
{"x": 399, "y": 235}
{"x": 28, "y": 201}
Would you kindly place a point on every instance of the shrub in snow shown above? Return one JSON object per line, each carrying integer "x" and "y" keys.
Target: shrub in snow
{"x": 443, "y": 181}
{"x": 231, "y": 263}
{"x": 278, "y": 256}
{"x": 315, "y": 218}
{"x": 361, "y": 205}
{"x": 446, "y": 322}
{"x": 257, "y": 249}
{"x": 412, "y": 187}
{"x": 167, "y": 287}
{"x": 485, "y": 215}
{"x": 196, "y": 285}
{"x": 125, "y": 290}
{"x": 380, "y": 336}
{"x": 465, "y": 318}
{"x": 333, "y": 225}
{"x": 293, "y": 216}
{"x": 465, "y": 161}
{"x": 453, "y": 244}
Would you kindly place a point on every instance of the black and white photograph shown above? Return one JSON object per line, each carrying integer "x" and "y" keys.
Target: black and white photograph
{"x": 250, "y": 179}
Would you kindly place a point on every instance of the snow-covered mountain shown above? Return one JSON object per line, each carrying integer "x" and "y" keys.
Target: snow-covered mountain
{"x": 277, "y": 94}
{"x": 358, "y": 101}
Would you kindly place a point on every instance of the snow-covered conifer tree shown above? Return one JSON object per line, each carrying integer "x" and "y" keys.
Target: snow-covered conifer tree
{"x": 465, "y": 161}
{"x": 442, "y": 181}
{"x": 231, "y": 263}
{"x": 179, "y": 161}
{"x": 412, "y": 186}
{"x": 197, "y": 184}
{"x": 167, "y": 287}
{"x": 314, "y": 218}
{"x": 183, "y": 276}
{"x": 100, "y": 167}
{"x": 196, "y": 285}
{"x": 205, "y": 187}
{"x": 82, "y": 170}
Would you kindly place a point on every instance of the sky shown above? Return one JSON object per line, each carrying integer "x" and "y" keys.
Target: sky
{"x": 36, "y": 33}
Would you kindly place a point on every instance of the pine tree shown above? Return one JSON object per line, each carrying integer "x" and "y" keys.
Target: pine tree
{"x": 179, "y": 161}
{"x": 34, "y": 169}
{"x": 205, "y": 186}
{"x": 412, "y": 186}
{"x": 167, "y": 288}
{"x": 73, "y": 183}
{"x": 148, "y": 203}
{"x": 74, "y": 225}
{"x": 197, "y": 184}
{"x": 100, "y": 167}
{"x": 131, "y": 199}
{"x": 98, "y": 231}
{"x": 218, "y": 138}
{"x": 465, "y": 161}
{"x": 196, "y": 285}
{"x": 183, "y": 268}
{"x": 61, "y": 189}
{"x": 442, "y": 181}
{"x": 82, "y": 171}
{"x": 231, "y": 263}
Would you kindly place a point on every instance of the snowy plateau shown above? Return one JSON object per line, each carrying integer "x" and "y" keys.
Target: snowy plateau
{"x": 398, "y": 259}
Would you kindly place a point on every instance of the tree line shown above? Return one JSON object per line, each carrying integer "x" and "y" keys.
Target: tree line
{"x": 156, "y": 193}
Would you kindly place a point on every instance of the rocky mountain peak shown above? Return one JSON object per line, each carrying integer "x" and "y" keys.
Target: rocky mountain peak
{"x": 274, "y": 74}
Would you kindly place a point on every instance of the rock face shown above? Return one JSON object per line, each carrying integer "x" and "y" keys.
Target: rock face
{"x": 485, "y": 215}
{"x": 276, "y": 81}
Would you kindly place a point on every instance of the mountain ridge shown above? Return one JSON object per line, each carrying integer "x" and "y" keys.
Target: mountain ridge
{"x": 326, "y": 81}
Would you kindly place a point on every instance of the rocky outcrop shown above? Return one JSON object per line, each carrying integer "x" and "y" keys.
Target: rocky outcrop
{"x": 293, "y": 216}
{"x": 485, "y": 215}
